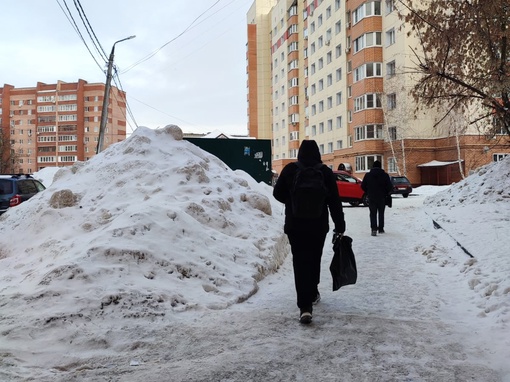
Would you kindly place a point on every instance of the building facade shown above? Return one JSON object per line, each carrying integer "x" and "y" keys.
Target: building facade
{"x": 53, "y": 125}
{"x": 337, "y": 71}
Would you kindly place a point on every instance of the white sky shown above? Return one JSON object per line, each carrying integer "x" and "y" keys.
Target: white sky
{"x": 197, "y": 81}
{"x": 155, "y": 262}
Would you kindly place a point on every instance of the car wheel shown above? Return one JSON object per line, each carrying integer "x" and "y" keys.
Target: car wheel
{"x": 405, "y": 195}
{"x": 354, "y": 204}
{"x": 364, "y": 200}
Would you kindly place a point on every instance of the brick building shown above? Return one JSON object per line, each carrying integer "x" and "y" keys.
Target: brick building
{"x": 337, "y": 71}
{"x": 52, "y": 125}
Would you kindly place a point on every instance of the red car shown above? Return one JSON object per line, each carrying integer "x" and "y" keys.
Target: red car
{"x": 349, "y": 188}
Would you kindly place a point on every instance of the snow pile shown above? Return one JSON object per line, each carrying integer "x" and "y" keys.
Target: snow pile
{"x": 490, "y": 183}
{"x": 475, "y": 213}
{"x": 150, "y": 226}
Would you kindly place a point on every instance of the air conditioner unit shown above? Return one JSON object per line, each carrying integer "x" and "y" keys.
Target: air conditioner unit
{"x": 327, "y": 42}
{"x": 348, "y": 25}
{"x": 11, "y": 115}
{"x": 347, "y": 50}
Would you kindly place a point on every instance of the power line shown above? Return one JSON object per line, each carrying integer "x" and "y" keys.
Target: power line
{"x": 168, "y": 42}
{"x": 70, "y": 18}
{"x": 90, "y": 30}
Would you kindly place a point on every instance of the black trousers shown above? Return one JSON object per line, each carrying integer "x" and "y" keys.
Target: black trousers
{"x": 377, "y": 208}
{"x": 306, "y": 250}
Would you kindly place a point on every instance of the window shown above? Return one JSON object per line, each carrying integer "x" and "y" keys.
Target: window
{"x": 321, "y": 63}
{"x": 392, "y": 101}
{"x": 339, "y": 98}
{"x": 330, "y": 147}
{"x": 390, "y": 37}
{"x": 321, "y": 106}
{"x": 338, "y": 27}
{"x": 391, "y": 69}
{"x": 338, "y": 74}
{"x": 329, "y": 101}
{"x": 338, "y": 50}
{"x": 339, "y": 144}
{"x": 392, "y": 165}
{"x": 371, "y": 69}
{"x": 321, "y": 128}
{"x": 498, "y": 157}
{"x": 367, "y": 40}
{"x": 392, "y": 133}
{"x": 329, "y": 80}
{"x": 368, "y": 132}
{"x": 330, "y": 125}
{"x": 329, "y": 57}
{"x": 320, "y": 42}
{"x": 339, "y": 122}
{"x": 365, "y": 163}
{"x": 367, "y": 101}
{"x": 372, "y": 8}
{"x": 321, "y": 85}
{"x": 390, "y": 6}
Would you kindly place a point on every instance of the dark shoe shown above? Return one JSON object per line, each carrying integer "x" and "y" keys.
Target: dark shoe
{"x": 317, "y": 299}
{"x": 381, "y": 230}
{"x": 374, "y": 232}
{"x": 305, "y": 318}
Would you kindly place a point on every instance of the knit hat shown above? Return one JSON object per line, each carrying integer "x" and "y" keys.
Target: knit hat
{"x": 376, "y": 164}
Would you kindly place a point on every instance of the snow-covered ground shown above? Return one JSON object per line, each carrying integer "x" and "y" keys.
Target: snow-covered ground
{"x": 154, "y": 261}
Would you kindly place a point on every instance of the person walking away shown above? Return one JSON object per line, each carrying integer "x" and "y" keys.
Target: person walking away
{"x": 307, "y": 234}
{"x": 377, "y": 184}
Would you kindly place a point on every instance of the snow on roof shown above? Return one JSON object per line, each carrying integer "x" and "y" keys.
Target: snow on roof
{"x": 438, "y": 163}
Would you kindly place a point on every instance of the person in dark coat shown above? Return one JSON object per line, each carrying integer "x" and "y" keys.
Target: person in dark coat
{"x": 377, "y": 184}
{"x": 307, "y": 236}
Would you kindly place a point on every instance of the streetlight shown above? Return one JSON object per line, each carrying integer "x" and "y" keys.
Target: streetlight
{"x": 104, "y": 111}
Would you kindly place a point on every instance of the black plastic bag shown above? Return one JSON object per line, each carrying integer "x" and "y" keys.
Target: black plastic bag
{"x": 343, "y": 266}
{"x": 388, "y": 201}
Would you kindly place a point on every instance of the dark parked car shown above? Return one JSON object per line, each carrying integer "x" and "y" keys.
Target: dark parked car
{"x": 349, "y": 188}
{"x": 15, "y": 189}
{"x": 401, "y": 185}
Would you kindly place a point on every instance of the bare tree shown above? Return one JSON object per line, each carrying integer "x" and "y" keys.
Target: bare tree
{"x": 464, "y": 62}
{"x": 7, "y": 155}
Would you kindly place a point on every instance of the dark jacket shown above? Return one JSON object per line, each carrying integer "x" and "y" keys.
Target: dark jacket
{"x": 309, "y": 155}
{"x": 377, "y": 184}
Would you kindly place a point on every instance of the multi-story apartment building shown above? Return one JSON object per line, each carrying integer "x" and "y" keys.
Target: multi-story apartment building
{"x": 52, "y": 125}
{"x": 336, "y": 71}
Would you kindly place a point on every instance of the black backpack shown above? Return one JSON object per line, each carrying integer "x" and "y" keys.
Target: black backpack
{"x": 309, "y": 191}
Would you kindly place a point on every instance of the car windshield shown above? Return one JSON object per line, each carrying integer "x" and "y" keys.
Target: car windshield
{"x": 400, "y": 179}
{"x": 345, "y": 178}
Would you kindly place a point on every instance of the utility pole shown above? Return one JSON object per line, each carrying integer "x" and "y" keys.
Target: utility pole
{"x": 104, "y": 111}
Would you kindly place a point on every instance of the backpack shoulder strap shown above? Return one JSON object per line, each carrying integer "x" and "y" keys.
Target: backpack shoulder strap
{"x": 299, "y": 165}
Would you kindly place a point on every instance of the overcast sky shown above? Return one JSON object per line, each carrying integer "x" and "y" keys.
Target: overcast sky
{"x": 186, "y": 66}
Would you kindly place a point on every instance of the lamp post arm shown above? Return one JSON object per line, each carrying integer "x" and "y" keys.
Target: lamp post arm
{"x": 104, "y": 111}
